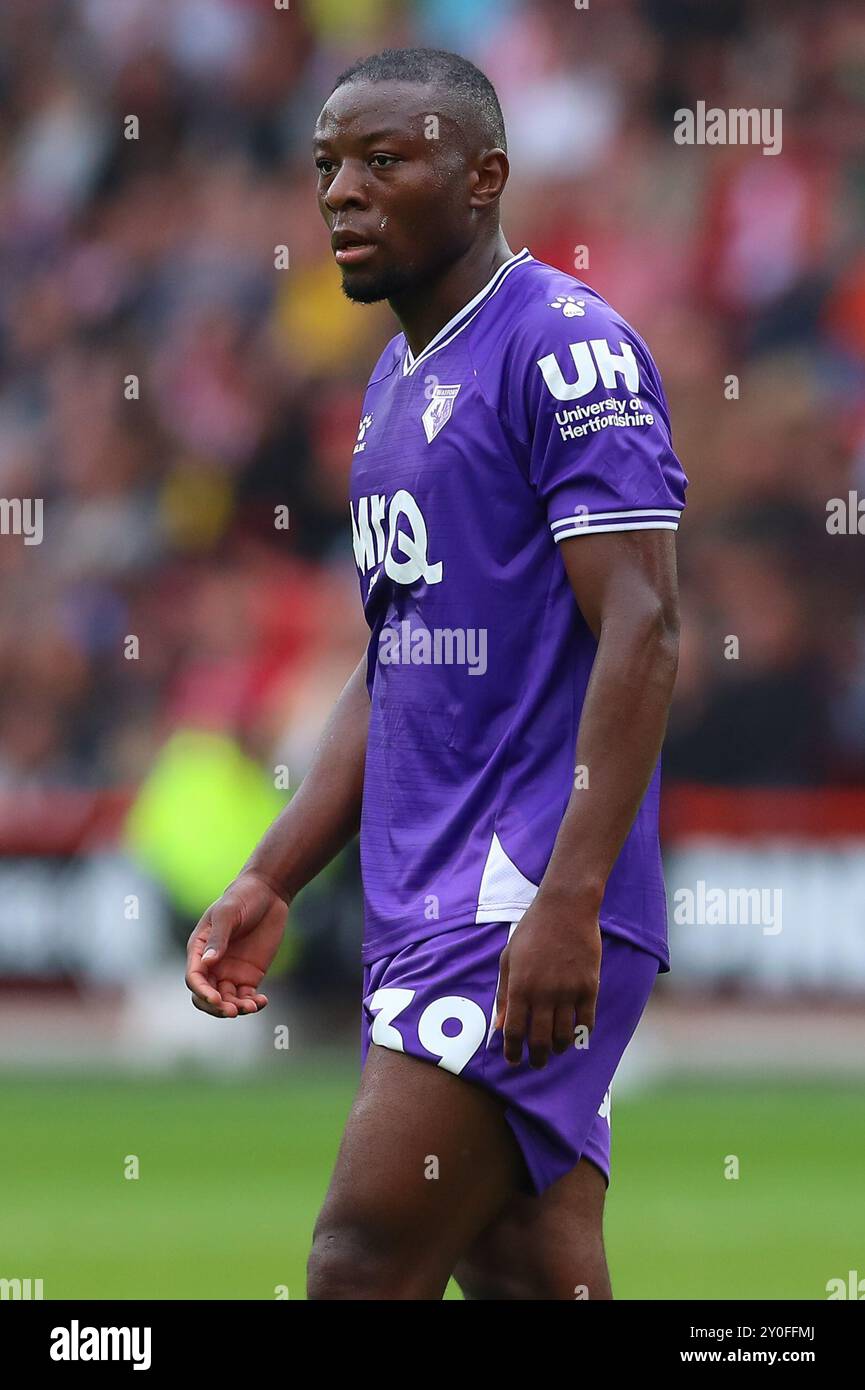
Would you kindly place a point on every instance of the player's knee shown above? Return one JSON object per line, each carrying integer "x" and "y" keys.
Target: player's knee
{"x": 346, "y": 1262}
{"x": 336, "y": 1263}
{"x": 537, "y": 1275}
{"x": 504, "y": 1284}
{"x": 481, "y": 1283}
{"x": 529, "y": 1286}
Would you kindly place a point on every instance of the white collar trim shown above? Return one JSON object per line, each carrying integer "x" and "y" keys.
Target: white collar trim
{"x": 465, "y": 315}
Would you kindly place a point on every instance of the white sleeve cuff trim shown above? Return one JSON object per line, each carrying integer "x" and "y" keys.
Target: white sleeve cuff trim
{"x": 581, "y": 529}
{"x": 670, "y": 513}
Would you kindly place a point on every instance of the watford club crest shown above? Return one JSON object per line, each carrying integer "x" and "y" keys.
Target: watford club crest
{"x": 439, "y": 410}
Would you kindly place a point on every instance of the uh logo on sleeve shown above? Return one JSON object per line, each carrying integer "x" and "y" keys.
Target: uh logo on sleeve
{"x": 382, "y": 533}
{"x": 589, "y": 359}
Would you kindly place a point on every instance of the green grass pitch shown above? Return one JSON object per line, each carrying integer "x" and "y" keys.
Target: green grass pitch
{"x": 232, "y": 1175}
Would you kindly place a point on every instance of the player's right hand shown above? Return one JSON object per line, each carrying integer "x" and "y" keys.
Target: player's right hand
{"x": 233, "y": 945}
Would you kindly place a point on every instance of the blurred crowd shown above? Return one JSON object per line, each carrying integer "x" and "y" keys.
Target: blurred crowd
{"x": 165, "y": 388}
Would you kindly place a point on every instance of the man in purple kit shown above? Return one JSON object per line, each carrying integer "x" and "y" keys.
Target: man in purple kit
{"x": 514, "y": 495}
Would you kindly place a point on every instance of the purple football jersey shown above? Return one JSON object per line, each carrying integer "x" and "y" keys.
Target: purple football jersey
{"x": 535, "y": 415}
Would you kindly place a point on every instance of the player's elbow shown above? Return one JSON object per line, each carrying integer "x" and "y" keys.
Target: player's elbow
{"x": 662, "y": 641}
{"x": 648, "y": 632}
{"x": 663, "y": 626}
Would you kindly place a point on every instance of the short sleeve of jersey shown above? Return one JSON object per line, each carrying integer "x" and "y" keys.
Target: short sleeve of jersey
{"x": 586, "y": 398}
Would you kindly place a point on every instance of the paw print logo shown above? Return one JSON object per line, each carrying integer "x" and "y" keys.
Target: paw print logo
{"x": 570, "y": 306}
{"x": 365, "y": 423}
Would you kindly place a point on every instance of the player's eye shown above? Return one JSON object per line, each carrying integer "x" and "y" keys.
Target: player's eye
{"x": 324, "y": 166}
{"x": 381, "y": 161}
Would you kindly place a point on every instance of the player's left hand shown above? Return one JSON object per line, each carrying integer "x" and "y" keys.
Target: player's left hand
{"x": 548, "y": 987}
{"x": 233, "y": 945}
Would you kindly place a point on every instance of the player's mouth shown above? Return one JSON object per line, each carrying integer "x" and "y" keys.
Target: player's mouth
{"x": 350, "y": 248}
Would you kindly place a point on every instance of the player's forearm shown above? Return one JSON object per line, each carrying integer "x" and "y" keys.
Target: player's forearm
{"x": 621, "y": 730}
{"x": 324, "y": 813}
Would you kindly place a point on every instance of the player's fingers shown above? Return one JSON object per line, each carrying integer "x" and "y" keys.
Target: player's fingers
{"x": 227, "y": 990}
{"x": 241, "y": 998}
{"x": 540, "y": 1035}
{"x": 198, "y": 936}
{"x": 202, "y": 989}
{"x": 585, "y": 1011}
{"x": 229, "y": 998}
{"x": 514, "y": 1029}
{"x": 196, "y": 979}
{"x": 215, "y": 1010}
{"x": 563, "y": 1028}
{"x": 502, "y": 991}
{"x": 249, "y": 1000}
{"x": 245, "y": 1003}
{"x": 225, "y": 916}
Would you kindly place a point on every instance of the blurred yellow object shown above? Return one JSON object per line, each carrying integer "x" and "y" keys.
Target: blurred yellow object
{"x": 343, "y": 19}
{"x": 196, "y": 504}
{"x": 322, "y": 329}
{"x": 198, "y": 815}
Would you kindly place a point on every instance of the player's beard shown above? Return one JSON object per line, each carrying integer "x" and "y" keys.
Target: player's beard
{"x": 386, "y": 284}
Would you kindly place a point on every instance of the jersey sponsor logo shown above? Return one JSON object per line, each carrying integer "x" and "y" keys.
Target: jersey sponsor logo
{"x": 591, "y": 358}
{"x": 382, "y": 533}
{"x": 621, "y": 413}
{"x": 439, "y": 410}
{"x": 366, "y": 421}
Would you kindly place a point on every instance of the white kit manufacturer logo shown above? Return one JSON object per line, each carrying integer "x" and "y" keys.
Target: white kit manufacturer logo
{"x": 439, "y": 410}
{"x": 571, "y": 307}
{"x": 365, "y": 423}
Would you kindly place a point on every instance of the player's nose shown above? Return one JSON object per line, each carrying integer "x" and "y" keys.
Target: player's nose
{"x": 347, "y": 188}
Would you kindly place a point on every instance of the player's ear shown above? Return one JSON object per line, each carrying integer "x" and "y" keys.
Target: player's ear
{"x": 490, "y": 174}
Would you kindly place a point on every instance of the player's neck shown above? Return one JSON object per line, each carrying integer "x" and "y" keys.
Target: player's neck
{"x": 423, "y": 312}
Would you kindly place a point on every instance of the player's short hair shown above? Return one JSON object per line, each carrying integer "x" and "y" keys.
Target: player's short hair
{"x": 474, "y": 91}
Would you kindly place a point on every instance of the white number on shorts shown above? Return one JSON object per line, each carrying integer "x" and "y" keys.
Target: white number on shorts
{"x": 453, "y": 1053}
{"x": 390, "y": 1002}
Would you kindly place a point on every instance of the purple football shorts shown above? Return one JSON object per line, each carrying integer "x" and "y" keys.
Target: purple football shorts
{"x": 436, "y": 1000}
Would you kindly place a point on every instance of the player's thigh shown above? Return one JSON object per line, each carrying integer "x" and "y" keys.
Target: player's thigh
{"x": 426, "y": 1161}
{"x": 543, "y": 1247}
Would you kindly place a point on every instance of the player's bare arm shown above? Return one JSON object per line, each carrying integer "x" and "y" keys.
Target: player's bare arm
{"x": 625, "y": 586}
{"x": 238, "y": 936}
